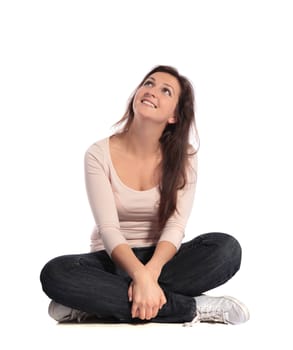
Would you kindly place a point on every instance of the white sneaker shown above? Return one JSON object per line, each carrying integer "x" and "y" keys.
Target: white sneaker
{"x": 223, "y": 309}
{"x": 61, "y": 313}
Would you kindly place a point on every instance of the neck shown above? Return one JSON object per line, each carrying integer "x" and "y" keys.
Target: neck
{"x": 143, "y": 141}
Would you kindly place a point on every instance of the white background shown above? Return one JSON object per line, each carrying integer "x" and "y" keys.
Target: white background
{"x": 67, "y": 69}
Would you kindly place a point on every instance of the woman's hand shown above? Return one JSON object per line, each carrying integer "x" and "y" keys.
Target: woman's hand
{"x": 146, "y": 295}
{"x": 144, "y": 292}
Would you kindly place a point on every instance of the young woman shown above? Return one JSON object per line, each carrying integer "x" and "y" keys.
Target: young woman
{"x": 140, "y": 184}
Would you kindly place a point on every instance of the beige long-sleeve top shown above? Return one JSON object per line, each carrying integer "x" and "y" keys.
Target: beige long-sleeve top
{"x": 125, "y": 215}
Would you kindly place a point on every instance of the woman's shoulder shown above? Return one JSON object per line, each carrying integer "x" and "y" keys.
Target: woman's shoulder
{"x": 98, "y": 152}
{"x": 99, "y": 146}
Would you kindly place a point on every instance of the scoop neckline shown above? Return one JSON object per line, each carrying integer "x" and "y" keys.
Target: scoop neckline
{"x": 117, "y": 176}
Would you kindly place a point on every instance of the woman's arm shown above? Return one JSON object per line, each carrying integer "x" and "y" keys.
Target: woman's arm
{"x": 144, "y": 292}
{"x": 163, "y": 253}
{"x": 101, "y": 198}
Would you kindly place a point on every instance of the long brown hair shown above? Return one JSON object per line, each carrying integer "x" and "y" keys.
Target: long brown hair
{"x": 174, "y": 143}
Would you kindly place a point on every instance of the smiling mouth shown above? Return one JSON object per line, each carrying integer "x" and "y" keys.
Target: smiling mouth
{"x": 148, "y": 103}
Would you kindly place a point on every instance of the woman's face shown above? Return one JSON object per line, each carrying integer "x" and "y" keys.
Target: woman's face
{"x": 157, "y": 98}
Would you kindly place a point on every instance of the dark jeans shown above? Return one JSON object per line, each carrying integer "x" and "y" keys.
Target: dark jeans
{"x": 93, "y": 283}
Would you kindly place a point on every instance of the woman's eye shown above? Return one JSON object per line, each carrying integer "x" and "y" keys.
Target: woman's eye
{"x": 148, "y": 83}
{"x": 166, "y": 91}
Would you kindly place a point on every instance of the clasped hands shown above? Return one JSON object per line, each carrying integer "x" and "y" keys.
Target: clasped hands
{"x": 146, "y": 295}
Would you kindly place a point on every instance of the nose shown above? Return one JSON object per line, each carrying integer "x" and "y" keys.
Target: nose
{"x": 151, "y": 93}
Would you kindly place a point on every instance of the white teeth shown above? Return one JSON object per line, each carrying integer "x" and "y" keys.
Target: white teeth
{"x": 148, "y": 103}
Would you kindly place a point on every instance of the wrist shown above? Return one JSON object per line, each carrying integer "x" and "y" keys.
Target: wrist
{"x": 154, "y": 269}
{"x": 138, "y": 273}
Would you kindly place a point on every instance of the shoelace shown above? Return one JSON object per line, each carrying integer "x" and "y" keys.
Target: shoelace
{"x": 191, "y": 323}
{"x": 208, "y": 316}
{"x": 80, "y": 316}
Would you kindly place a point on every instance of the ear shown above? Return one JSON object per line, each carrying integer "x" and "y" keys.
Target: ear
{"x": 172, "y": 120}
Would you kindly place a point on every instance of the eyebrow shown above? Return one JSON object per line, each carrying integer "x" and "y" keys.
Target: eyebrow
{"x": 170, "y": 86}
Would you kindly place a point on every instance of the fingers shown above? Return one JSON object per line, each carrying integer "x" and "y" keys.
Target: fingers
{"x": 155, "y": 311}
{"x": 135, "y": 311}
{"x": 145, "y": 312}
{"x": 151, "y": 312}
{"x": 145, "y": 305}
{"x": 139, "y": 310}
